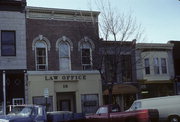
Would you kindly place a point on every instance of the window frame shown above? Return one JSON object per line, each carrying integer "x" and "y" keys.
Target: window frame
{"x": 11, "y": 44}
{"x": 46, "y": 56}
{"x": 65, "y": 57}
{"x": 164, "y": 66}
{"x": 86, "y": 66}
{"x": 156, "y": 66}
{"x": 147, "y": 67}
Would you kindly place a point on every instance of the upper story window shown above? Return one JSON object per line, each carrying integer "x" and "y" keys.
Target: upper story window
{"x": 64, "y": 46}
{"x": 86, "y": 46}
{"x": 163, "y": 66}
{"x": 86, "y": 56}
{"x": 147, "y": 66}
{"x": 126, "y": 68}
{"x": 156, "y": 65}
{"x": 64, "y": 56}
{"x": 41, "y": 55}
{"x": 8, "y": 43}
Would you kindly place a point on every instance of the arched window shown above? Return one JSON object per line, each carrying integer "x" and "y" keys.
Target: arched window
{"x": 86, "y": 46}
{"x": 64, "y": 56}
{"x": 41, "y": 55}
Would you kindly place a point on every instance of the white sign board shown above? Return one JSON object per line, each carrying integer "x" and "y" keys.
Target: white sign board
{"x": 46, "y": 92}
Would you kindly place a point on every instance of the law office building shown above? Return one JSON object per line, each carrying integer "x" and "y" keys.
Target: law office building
{"x": 60, "y": 48}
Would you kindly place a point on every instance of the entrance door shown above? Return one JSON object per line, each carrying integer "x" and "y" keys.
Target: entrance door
{"x": 65, "y": 105}
{"x": 66, "y": 101}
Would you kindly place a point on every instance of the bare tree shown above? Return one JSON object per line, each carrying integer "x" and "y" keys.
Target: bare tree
{"x": 116, "y": 29}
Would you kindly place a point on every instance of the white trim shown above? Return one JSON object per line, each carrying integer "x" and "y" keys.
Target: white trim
{"x": 46, "y": 65}
{"x": 41, "y": 38}
{"x": 86, "y": 39}
{"x": 64, "y": 38}
{"x": 62, "y": 72}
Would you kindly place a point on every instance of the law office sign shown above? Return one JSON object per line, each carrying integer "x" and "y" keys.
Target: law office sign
{"x": 65, "y": 77}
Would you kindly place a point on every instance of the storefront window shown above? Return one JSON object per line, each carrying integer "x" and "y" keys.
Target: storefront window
{"x": 89, "y": 102}
{"x": 41, "y": 100}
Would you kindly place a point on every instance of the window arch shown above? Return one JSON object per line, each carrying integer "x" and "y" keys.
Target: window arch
{"x": 86, "y": 46}
{"x": 41, "y": 46}
{"x": 41, "y": 57}
{"x": 64, "y": 45}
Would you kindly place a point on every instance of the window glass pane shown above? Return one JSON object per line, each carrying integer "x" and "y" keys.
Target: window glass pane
{"x": 64, "y": 64}
{"x": 41, "y": 56}
{"x": 8, "y": 43}
{"x": 8, "y": 50}
{"x": 64, "y": 56}
{"x": 156, "y": 66}
{"x": 86, "y": 45}
{"x": 41, "y": 100}
{"x": 8, "y": 37}
{"x": 147, "y": 66}
{"x": 89, "y": 103}
{"x": 64, "y": 49}
{"x": 163, "y": 65}
{"x": 86, "y": 56}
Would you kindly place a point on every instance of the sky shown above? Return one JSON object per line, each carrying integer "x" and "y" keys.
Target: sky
{"x": 160, "y": 19}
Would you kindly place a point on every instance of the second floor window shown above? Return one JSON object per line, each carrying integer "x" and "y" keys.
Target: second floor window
{"x": 163, "y": 66}
{"x": 41, "y": 55}
{"x": 86, "y": 56}
{"x": 64, "y": 56}
{"x": 147, "y": 66}
{"x": 8, "y": 43}
{"x": 156, "y": 66}
{"x": 126, "y": 68}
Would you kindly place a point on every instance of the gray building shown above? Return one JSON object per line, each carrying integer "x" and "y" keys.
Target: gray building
{"x": 155, "y": 69}
{"x": 13, "y": 50}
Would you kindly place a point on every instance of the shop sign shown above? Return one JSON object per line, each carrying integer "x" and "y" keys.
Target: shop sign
{"x": 65, "y": 77}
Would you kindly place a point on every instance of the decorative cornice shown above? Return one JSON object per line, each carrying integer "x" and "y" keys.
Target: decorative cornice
{"x": 61, "y": 14}
{"x": 167, "y": 46}
{"x": 61, "y": 72}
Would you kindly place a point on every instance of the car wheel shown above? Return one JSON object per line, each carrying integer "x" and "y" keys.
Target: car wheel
{"x": 174, "y": 119}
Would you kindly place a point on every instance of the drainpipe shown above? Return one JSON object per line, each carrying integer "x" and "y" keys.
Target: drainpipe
{"x": 4, "y": 92}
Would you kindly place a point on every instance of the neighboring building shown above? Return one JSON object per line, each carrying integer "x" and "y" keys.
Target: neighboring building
{"x": 60, "y": 46}
{"x": 118, "y": 71}
{"x": 155, "y": 69}
{"x": 13, "y": 50}
{"x": 176, "y": 57}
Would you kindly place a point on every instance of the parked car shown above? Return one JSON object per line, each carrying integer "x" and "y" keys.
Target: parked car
{"x": 168, "y": 107}
{"x": 37, "y": 113}
{"x": 112, "y": 113}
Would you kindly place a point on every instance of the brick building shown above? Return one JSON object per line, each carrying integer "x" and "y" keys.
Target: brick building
{"x": 60, "y": 47}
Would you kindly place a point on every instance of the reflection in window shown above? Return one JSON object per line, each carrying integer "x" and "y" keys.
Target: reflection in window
{"x": 147, "y": 66}
{"x": 163, "y": 66}
{"x": 8, "y": 43}
{"x": 41, "y": 55}
{"x": 156, "y": 66}
{"x": 126, "y": 68}
{"x": 64, "y": 56}
{"x": 102, "y": 110}
{"x": 86, "y": 56}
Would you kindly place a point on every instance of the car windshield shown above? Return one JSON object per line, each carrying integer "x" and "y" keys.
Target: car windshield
{"x": 21, "y": 111}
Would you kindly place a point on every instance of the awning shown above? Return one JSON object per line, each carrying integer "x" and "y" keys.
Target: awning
{"x": 122, "y": 89}
{"x": 155, "y": 81}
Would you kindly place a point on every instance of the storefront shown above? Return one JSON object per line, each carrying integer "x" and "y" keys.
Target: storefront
{"x": 15, "y": 85}
{"x": 123, "y": 94}
{"x": 151, "y": 89}
{"x": 77, "y": 91}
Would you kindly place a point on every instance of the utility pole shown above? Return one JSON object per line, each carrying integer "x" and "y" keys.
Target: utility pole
{"x": 4, "y": 92}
